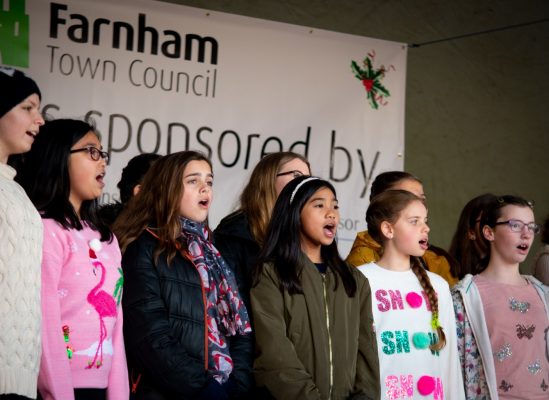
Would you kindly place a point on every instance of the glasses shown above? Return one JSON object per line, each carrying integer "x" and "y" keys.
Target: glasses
{"x": 518, "y": 226}
{"x": 295, "y": 173}
{"x": 94, "y": 153}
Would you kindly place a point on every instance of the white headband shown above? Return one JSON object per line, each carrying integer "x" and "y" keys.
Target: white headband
{"x": 312, "y": 178}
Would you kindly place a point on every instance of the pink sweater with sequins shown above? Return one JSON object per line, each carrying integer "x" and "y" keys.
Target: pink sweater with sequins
{"x": 82, "y": 342}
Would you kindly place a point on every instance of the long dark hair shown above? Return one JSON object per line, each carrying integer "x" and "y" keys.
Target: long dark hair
{"x": 465, "y": 250}
{"x": 387, "y": 206}
{"x": 133, "y": 173}
{"x": 490, "y": 216}
{"x": 44, "y": 174}
{"x": 282, "y": 244}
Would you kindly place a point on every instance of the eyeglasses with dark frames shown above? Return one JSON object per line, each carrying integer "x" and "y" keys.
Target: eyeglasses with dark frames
{"x": 94, "y": 152}
{"x": 517, "y": 226}
{"x": 294, "y": 172}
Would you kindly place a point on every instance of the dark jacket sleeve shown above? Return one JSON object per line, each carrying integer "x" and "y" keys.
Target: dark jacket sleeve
{"x": 367, "y": 372}
{"x": 149, "y": 342}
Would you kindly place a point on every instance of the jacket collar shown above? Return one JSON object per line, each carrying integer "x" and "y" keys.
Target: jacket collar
{"x": 364, "y": 239}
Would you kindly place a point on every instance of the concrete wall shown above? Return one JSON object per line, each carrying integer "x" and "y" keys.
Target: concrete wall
{"x": 477, "y": 112}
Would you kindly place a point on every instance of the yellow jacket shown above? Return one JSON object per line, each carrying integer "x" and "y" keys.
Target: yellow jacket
{"x": 366, "y": 250}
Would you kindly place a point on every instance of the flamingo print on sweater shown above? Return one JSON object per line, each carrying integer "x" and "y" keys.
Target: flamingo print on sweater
{"x": 104, "y": 304}
{"x": 83, "y": 345}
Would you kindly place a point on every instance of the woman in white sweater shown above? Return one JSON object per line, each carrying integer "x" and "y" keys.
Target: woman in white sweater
{"x": 20, "y": 242}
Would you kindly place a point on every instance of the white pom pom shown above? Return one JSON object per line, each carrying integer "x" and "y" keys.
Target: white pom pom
{"x": 95, "y": 244}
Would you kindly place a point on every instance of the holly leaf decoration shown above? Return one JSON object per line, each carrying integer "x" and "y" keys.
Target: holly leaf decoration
{"x": 371, "y": 80}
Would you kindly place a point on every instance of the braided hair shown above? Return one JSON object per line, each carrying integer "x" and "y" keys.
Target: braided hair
{"x": 387, "y": 206}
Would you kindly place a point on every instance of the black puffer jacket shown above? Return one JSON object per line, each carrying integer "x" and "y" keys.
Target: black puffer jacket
{"x": 164, "y": 328}
{"x": 233, "y": 239}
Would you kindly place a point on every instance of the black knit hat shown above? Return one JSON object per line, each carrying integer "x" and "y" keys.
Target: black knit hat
{"x": 15, "y": 87}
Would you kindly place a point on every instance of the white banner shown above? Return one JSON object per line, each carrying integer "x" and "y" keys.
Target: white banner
{"x": 157, "y": 77}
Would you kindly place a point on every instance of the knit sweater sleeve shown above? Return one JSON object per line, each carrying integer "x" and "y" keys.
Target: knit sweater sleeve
{"x": 119, "y": 387}
{"x": 54, "y": 380}
{"x": 20, "y": 260}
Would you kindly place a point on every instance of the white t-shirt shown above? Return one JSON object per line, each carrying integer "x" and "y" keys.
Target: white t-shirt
{"x": 402, "y": 317}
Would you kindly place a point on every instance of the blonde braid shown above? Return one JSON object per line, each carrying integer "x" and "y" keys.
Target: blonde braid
{"x": 425, "y": 283}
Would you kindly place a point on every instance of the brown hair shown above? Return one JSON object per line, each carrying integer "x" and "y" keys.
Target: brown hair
{"x": 259, "y": 196}
{"x": 157, "y": 204}
{"x": 466, "y": 251}
{"x": 388, "y": 180}
{"x": 387, "y": 207}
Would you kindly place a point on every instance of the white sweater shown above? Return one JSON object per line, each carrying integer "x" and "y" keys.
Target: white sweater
{"x": 20, "y": 259}
{"x": 402, "y": 321}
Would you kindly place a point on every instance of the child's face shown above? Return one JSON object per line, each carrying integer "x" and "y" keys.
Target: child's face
{"x": 319, "y": 219}
{"x": 19, "y": 126}
{"x": 410, "y": 233}
{"x": 511, "y": 247}
{"x": 197, "y": 191}
{"x": 85, "y": 174}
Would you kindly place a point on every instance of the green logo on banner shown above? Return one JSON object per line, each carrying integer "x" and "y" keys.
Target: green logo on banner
{"x": 14, "y": 34}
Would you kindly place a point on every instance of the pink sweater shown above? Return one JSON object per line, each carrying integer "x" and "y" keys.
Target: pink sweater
{"x": 517, "y": 321}
{"x": 82, "y": 343}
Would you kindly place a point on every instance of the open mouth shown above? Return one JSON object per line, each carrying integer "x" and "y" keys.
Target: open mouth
{"x": 424, "y": 244}
{"x": 523, "y": 247}
{"x": 31, "y": 134}
{"x": 330, "y": 230}
{"x": 204, "y": 203}
{"x": 99, "y": 178}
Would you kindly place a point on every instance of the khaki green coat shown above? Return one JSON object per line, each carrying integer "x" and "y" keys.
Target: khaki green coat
{"x": 302, "y": 352}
